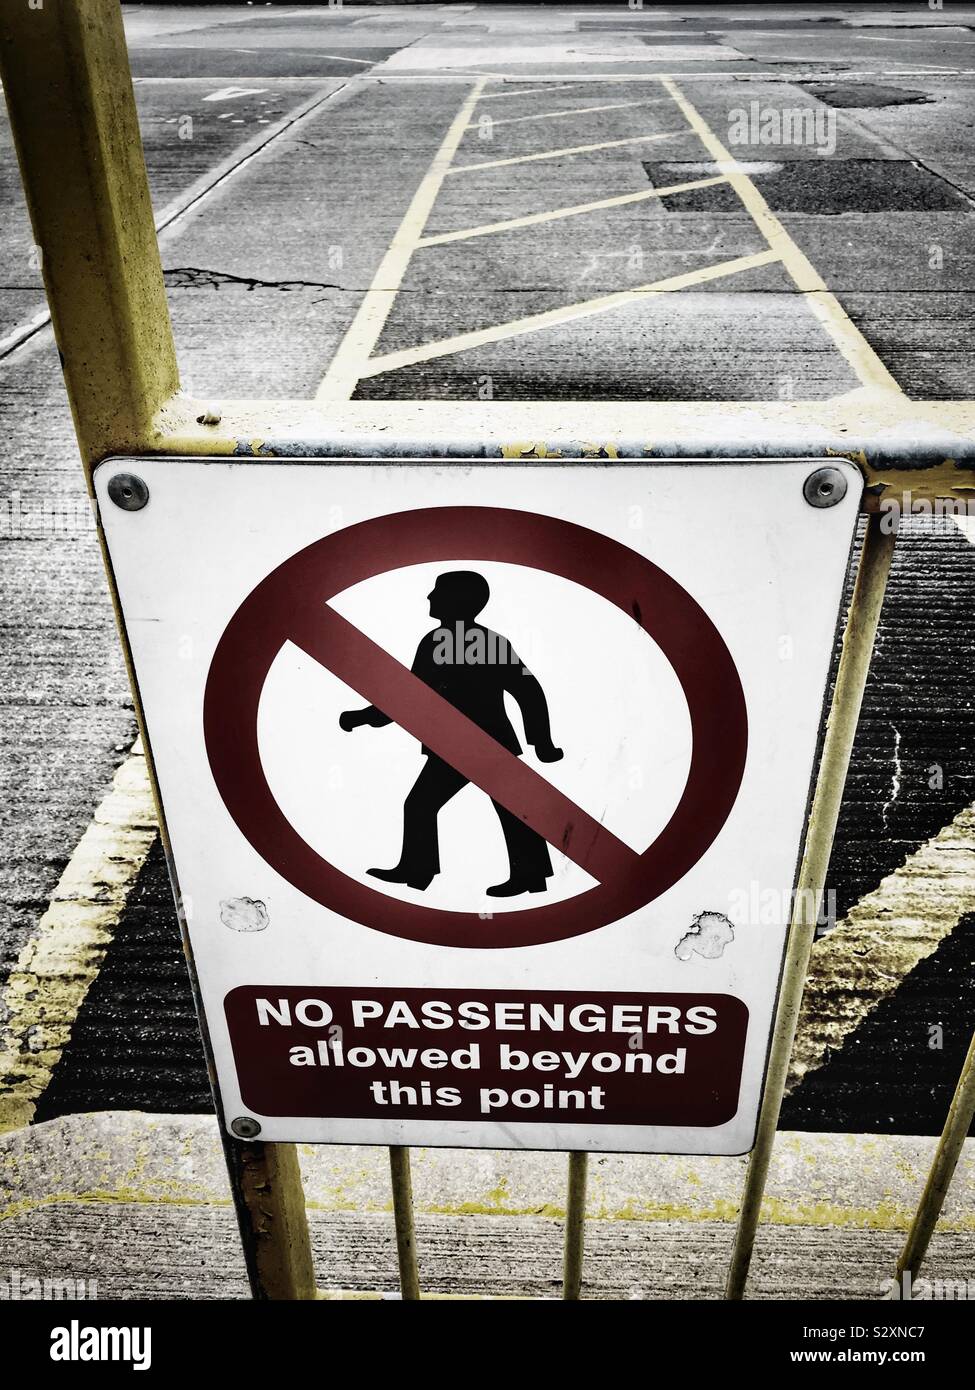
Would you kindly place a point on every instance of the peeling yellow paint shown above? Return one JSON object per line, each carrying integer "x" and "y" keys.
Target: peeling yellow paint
{"x": 529, "y": 451}
{"x": 856, "y": 456}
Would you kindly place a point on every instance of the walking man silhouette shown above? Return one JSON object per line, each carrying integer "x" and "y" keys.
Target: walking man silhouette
{"x": 471, "y": 667}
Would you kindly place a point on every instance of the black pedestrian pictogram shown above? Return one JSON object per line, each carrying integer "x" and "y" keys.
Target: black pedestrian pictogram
{"x": 472, "y": 668}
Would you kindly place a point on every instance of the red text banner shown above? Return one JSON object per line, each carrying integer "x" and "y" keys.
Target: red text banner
{"x": 545, "y": 1056}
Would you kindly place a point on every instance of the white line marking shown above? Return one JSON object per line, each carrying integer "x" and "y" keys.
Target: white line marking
{"x": 820, "y": 74}
{"x": 574, "y": 111}
{"x": 57, "y": 965}
{"x": 966, "y": 524}
{"x": 226, "y": 93}
{"x": 347, "y": 365}
{"x": 535, "y": 323}
{"x": 532, "y": 219}
{"x": 822, "y": 302}
{"x": 514, "y": 90}
{"x": 555, "y": 154}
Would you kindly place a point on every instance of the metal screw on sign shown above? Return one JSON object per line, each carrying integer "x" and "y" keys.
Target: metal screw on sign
{"x": 128, "y": 492}
{"x": 245, "y": 1127}
{"x": 824, "y": 488}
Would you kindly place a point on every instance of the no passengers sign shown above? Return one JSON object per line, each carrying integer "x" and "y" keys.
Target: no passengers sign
{"x": 475, "y": 777}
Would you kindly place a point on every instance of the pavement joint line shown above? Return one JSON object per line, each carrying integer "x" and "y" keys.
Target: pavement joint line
{"x": 60, "y": 960}
{"x": 573, "y": 111}
{"x": 825, "y": 306}
{"x": 901, "y": 922}
{"x": 27, "y": 334}
{"x": 534, "y": 323}
{"x": 345, "y": 369}
{"x": 844, "y": 1181}
{"x": 533, "y": 219}
{"x": 555, "y": 154}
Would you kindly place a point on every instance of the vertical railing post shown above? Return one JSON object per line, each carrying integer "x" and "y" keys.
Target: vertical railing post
{"x": 943, "y": 1166}
{"x": 575, "y": 1226}
{"x": 72, "y": 112}
{"x": 270, "y": 1203}
{"x": 851, "y": 678}
{"x": 402, "y": 1181}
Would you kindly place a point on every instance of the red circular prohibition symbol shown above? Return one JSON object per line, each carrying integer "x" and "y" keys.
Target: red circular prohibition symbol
{"x": 293, "y": 598}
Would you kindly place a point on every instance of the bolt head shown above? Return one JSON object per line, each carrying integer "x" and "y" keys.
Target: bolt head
{"x": 128, "y": 492}
{"x": 245, "y": 1127}
{"x": 825, "y": 487}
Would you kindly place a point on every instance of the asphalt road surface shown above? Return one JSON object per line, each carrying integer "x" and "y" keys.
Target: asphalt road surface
{"x": 284, "y": 146}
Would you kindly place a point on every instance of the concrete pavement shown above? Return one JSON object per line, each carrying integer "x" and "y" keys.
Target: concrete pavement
{"x": 84, "y": 1197}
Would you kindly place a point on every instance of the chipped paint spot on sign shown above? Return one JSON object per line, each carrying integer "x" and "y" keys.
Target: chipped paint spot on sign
{"x": 708, "y": 935}
{"x": 243, "y": 914}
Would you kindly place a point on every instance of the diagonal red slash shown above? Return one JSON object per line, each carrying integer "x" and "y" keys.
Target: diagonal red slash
{"x": 348, "y": 653}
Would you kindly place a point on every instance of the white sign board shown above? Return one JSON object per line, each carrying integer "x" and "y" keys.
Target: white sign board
{"x": 485, "y": 782}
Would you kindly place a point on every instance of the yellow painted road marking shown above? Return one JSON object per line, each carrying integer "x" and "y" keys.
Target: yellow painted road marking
{"x": 57, "y": 965}
{"x": 534, "y": 323}
{"x": 823, "y": 304}
{"x": 534, "y": 218}
{"x": 347, "y": 365}
{"x": 555, "y": 154}
{"x": 891, "y": 930}
{"x": 515, "y": 91}
{"x": 571, "y": 111}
